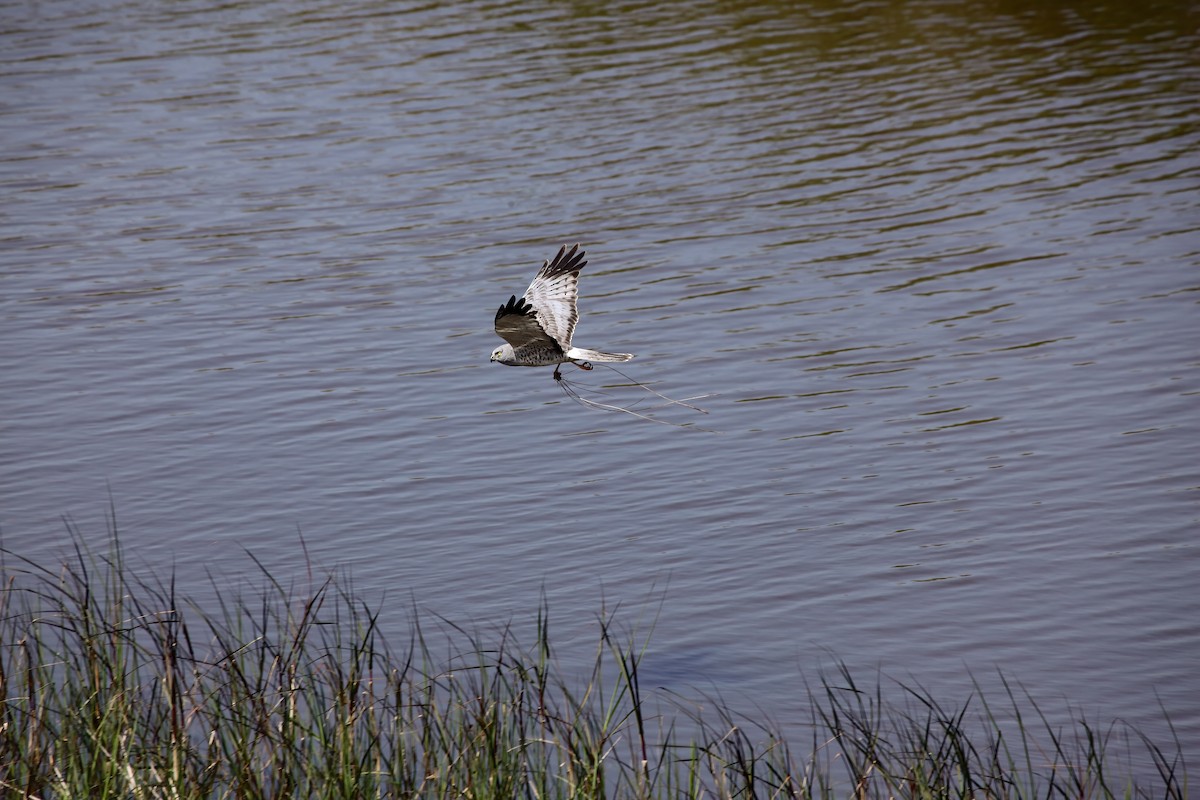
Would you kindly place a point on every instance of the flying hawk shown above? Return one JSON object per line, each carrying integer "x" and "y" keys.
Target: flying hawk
{"x": 538, "y": 327}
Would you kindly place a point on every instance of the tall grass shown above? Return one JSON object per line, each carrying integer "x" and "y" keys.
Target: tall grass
{"x": 116, "y": 687}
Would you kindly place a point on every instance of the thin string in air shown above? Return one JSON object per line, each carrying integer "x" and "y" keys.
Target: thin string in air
{"x": 572, "y": 390}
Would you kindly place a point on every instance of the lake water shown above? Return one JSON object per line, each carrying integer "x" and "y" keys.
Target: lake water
{"x": 937, "y": 266}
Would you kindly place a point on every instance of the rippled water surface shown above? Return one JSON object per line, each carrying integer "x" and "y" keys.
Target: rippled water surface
{"x": 936, "y": 264}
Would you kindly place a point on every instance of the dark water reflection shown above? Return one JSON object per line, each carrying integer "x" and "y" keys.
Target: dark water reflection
{"x": 937, "y": 262}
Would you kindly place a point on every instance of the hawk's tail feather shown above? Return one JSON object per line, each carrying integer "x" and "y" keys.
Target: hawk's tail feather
{"x": 596, "y": 355}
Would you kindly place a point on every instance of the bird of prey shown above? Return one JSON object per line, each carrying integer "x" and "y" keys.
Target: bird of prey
{"x": 538, "y": 327}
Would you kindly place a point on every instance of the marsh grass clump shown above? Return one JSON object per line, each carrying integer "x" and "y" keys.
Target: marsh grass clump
{"x": 116, "y": 687}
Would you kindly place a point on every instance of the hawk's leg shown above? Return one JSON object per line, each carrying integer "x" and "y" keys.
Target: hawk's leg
{"x": 557, "y": 374}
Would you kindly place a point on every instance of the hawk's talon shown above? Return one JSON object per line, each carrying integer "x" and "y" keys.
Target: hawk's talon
{"x": 584, "y": 365}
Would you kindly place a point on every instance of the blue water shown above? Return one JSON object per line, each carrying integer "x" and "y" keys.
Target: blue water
{"x": 933, "y": 270}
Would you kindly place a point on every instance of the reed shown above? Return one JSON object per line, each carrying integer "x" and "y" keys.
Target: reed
{"x": 116, "y": 687}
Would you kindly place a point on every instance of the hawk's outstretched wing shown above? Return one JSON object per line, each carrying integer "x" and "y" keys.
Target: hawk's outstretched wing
{"x": 517, "y": 324}
{"x": 553, "y": 295}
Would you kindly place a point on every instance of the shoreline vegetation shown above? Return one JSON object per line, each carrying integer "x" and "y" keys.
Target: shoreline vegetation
{"x": 115, "y": 687}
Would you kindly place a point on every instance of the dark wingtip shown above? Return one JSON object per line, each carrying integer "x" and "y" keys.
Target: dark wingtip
{"x": 565, "y": 261}
{"x": 514, "y": 306}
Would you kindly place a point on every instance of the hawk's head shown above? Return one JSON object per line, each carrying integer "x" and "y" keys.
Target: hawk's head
{"x": 504, "y": 354}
